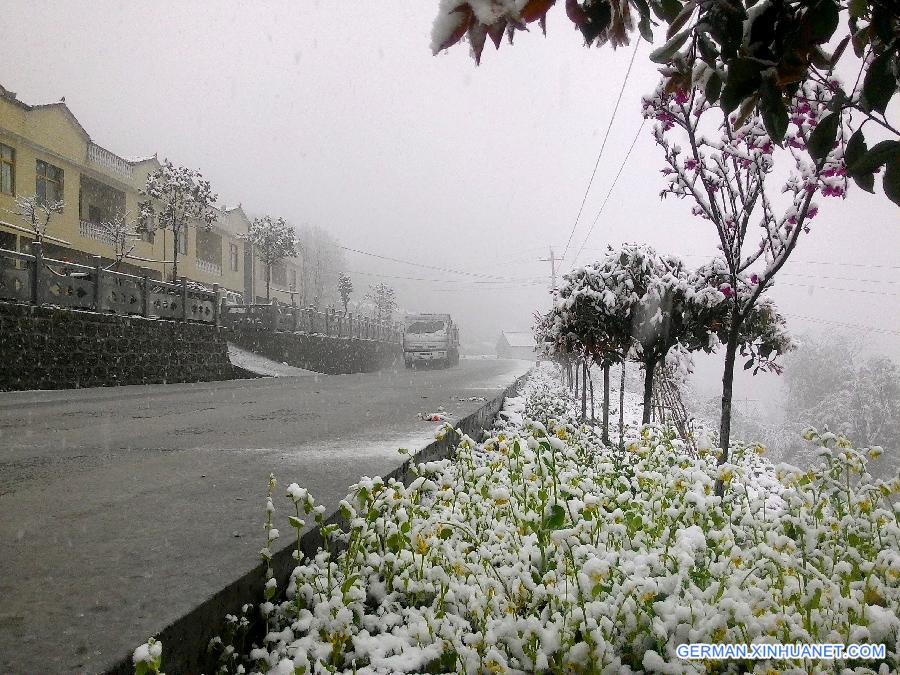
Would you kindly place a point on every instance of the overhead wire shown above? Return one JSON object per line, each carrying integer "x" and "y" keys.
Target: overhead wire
{"x": 602, "y": 146}
{"x": 609, "y": 192}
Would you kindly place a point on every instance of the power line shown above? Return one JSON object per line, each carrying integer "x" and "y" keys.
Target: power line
{"x": 857, "y": 279}
{"x": 606, "y": 199}
{"x": 846, "y": 290}
{"x": 874, "y": 329}
{"x": 602, "y": 146}
{"x": 427, "y": 267}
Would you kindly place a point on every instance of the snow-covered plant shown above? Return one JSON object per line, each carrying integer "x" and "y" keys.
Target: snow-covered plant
{"x": 636, "y": 301}
{"x": 176, "y": 197}
{"x": 345, "y": 288}
{"x": 36, "y": 214}
{"x": 541, "y": 550}
{"x": 122, "y": 234}
{"x": 272, "y": 240}
{"x": 147, "y": 658}
{"x": 384, "y": 299}
{"x": 725, "y": 170}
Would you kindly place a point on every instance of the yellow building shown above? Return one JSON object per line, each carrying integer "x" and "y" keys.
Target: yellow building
{"x": 45, "y": 151}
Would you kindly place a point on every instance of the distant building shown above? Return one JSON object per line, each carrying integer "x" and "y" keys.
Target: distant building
{"x": 513, "y": 345}
{"x": 45, "y": 151}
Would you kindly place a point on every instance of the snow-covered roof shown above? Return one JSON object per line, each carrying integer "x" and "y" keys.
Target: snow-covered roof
{"x": 517, "y": 339}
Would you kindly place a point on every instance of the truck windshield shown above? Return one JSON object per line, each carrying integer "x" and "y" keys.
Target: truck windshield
{"x": 422, "y": 327}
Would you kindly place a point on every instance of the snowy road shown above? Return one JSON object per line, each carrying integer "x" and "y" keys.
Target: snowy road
{"x": 123, "y": 508}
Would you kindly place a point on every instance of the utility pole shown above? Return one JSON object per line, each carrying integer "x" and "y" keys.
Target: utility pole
{"x": 552, "y": 260}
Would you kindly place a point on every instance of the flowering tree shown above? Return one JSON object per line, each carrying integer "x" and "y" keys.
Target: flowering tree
{"x": 748, "y": 54}
{"x": 36, "y": 213}
{"x": 272, "y": 240}
{"x": 345, "y": 288}
{"x": 728, "y": 178}
{"x": 176, "y": 196}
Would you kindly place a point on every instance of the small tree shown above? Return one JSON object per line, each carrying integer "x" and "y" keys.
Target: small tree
{"x": 272, "y": 241}
{"x": 345, "y": 288}
{"x": 726, "y": 177}
{"x": 37, "y": 213}
{"x": 122, "y": 234}
{"x": 384, "y": 299}
{"x": 176, "y": 196}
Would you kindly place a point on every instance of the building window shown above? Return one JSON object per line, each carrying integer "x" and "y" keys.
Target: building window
{"x": 49, "y": 183}
{"x": 7, "y": 170}
{"x": 233, "y": 256}
{"x": 182, "y": 242}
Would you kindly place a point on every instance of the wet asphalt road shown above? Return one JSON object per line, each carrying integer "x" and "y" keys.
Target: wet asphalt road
{"x": 123, "y": 508}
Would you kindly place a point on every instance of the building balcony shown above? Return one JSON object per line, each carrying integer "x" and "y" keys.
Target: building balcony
{"x": 110, "y": 161}
{"x": 90, "y": 230}
{"x": 209, "y": 267}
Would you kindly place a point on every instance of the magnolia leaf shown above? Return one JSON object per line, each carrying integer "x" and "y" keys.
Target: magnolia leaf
{"x": 678, "y": 22}
{"x": 748, "y": 365}
{"x": 645, "y": 28}
{"x": 866, "y": 181}
{"x": 666, "y": 10}
{"x": 891, "y": 179}
{"x": 742, "y": 79}
{"x": 821, "y": 140}
{"x": 822, "y": 19}
{"x": 839, "y": 51}
{"x": 773, "y": 110}
{"x": 879, "y": 85}
{"x": 874, "y": 158}
{"x": 665, "y": 53}
{"x": 713, "y": 87}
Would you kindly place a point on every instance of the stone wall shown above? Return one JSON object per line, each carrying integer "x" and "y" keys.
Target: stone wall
{"x": 322, "y": 354}
{"x": 52, "y": 348}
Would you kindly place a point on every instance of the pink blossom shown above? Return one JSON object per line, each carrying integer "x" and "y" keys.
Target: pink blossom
{"x": 727, "y": 290}
{"x": 754, "y": 279}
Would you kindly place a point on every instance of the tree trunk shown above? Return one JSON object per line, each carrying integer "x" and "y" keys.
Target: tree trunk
{"x": 622, "y": 407}
{"x": 268, "y": 280}
{"x": 174, "y": 256}
{"x": 605, "y": 435}
{"x": 584, "y": 391}
{"x": 728, "y": 391}
{"x": 575, "y": 381}
{"x": 591, "y": 384}
{"x": 649, "y": 367}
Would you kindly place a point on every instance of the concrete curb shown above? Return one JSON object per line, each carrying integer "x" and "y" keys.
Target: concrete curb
{"x": 185, "y": 640}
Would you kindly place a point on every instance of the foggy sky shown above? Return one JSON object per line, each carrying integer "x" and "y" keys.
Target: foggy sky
{"x": 336, "y": 114}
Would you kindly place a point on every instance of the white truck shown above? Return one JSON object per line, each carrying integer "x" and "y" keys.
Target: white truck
{"x": 430, "y": 338}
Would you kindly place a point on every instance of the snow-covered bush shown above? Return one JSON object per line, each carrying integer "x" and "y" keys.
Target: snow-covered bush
{"x": 541, "y": 550}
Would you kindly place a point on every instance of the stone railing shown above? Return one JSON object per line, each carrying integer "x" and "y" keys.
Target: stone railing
{"x": 209, "y": 267}
{"x": 331, "y": 323}
{"x": 110, "y": 161}
{"x": 43, "y": 281}
{"x": 95, "y": 231}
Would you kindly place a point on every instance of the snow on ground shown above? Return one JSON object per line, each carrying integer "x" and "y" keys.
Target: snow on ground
{"x": 261, "y": 365}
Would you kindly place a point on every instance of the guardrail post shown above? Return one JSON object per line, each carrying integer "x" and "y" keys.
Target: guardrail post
{"x": 184, "y": 310}
{"x": 145, "y": 296}
{"x": 98, "y": 283}
{"x": 37, "y": 295}
{"x": 216, "y": 308}
{"x": 273, "y": 317}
